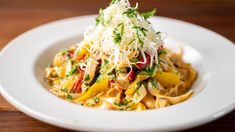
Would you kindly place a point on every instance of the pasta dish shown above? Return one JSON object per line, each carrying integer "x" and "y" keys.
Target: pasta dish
{"x": 121, "y": 64}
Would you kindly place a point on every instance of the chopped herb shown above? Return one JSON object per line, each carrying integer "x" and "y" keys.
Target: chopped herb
{"x": 147, "y": 15}
{"x": 143, "y": 31}
{"x": 69, "y": 97}
{"x": 153, "y": 83}
{"x": 114, "y": 2}
{"x": 96, "y": 100}
{"x": 49, "y": 65}
{"x": 125, "y": 102}
{"x": 131, "y": 12}
{"x": 149, "y": 71}
{"x": 118, "y": 33}
{"x": 162, "y": 52}
{"x": 64, "y": 90}
{"x": 100, "y": 18}
{"x": 137, "y": 91}
{"x": 73, "y": 70}
{"x": 131, "y": 41}
{"x": 158, "y": 32}
{"x": 140, "y": 40}
{"x": 106, "y": 62}
{"x": 139, "y": 83}
{"x": 87, "y": 77}
{"x": 110, "y": 19}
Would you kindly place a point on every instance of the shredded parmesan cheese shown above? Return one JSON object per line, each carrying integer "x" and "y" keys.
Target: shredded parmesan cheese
{"x": 136, "y": 36}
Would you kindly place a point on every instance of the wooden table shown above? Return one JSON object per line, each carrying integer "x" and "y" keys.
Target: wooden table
{"x": 18, "y": 16}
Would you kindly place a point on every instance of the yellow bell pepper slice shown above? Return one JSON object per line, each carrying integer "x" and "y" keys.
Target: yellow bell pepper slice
{"x": 133, "y": 86}
{"x": 168, "y": 78}
{"x": 97, "y": 87}
{"x": 139, "y": 106}
{"x": 82, "y": 51}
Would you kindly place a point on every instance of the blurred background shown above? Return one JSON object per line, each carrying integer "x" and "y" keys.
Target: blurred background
{"x": 18, "y": 16}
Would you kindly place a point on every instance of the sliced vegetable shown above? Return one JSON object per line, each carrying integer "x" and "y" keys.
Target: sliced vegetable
{"x": 82, "y": 51}
{"x": 168, "y": 78}
{"x": 68, "y": 83}
{"x": 141, "y": 66}
{"x": 77, "y": 86}
{"x": 132, "y": 75}
{"x": 138, "y": 107}
{"x": 100, "y": 85}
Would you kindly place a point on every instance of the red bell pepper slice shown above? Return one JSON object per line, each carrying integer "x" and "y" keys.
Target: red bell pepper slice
{"x": 141, "y": 66}
{"x": 132, "y": 75}
{"x": 77, "y": 86}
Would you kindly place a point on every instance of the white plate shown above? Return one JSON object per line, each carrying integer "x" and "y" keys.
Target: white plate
{"x": 23, "y": 60}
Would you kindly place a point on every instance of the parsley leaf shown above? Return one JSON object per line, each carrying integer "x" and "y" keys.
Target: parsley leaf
{"x": 64, "y": 90}
{"x": 147, "y": 15}
{"x": 106, "y": 62}
{"x": 138, "y": 31}
{"x": 49, "y": 65}
{"x": 153, "y": 83}
{"x": 131, "y": 12}
{"x": 87, "y": 77}
{"x": 73, "y": 70}
{"x": 118, "y": 33}
{"x": 69, "y": 97}
{"x": 114, "y": 1}
{"x": 158, "y": 32}
{"x": 162, "y": 52}
{"x": 96, "y": 100}
{"x": 100, "y": 18}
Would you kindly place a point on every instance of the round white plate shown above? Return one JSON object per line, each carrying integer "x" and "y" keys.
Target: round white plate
{"x": 23, "y": 60}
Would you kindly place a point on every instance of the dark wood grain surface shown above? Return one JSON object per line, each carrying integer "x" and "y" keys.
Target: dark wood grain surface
{"x": 18, "y": 16}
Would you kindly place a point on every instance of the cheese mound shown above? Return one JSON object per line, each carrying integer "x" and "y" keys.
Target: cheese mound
{"x": 122, "y": 34}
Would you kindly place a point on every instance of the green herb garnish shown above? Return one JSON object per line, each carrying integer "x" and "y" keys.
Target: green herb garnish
{"x": 100, "y": 18}
{"x": 106, "y": 62}
{"x": 96, "y": 100}
{"x": 149, "y": 71}
{"x": 69, "y": 97}
{"x": 138, "y": 31}
{"x": 87, "y": 77}
{"x": 153, "y": 83}
{"x": 64, "y": 90}
{"x": 137, "y": 91}
{"x": 158, "y": 32}
{"x": 118, "y": 33}
{"x": 131, "y": 12}
{"x": 49, "y": 65}
{"x": 147, "y": 15}
{"x": 73, "y": 70}
{"x": 114, "y": 1}
{"x": 162, "y": 52}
